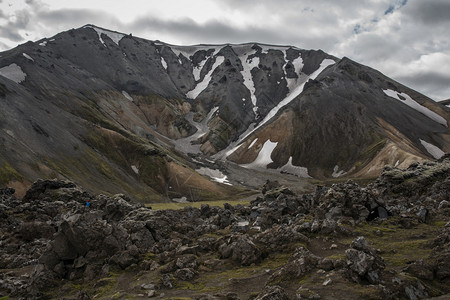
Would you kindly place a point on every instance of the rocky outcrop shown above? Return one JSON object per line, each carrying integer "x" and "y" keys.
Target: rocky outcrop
{"x": 363, "y": 262}
{"x": 54, "y": 238}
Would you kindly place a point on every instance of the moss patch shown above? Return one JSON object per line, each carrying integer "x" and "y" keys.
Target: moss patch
{"x": 400, "y": 246}
{"x": 220, "y": 203}
{"x": 8, "y": 173}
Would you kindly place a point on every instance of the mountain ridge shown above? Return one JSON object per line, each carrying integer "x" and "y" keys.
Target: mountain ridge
{"x": 115, "y": 89}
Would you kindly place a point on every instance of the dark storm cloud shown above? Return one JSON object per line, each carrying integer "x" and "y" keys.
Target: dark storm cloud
{"x": 431, "y": 12}
{"x": 432, "y": 84}
{"x": 213, "y": 31}
{"x": 75, "y": 16}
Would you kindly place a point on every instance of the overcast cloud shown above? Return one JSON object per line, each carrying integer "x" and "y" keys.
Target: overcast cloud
{"x": 406, "y": 40}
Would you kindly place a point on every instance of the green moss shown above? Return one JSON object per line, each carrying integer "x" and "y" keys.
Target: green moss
{"x": 220, "y": 203}
{"x": 4, "y": 298}
{"x": 8, "y": 173}
{"x": 400, "y": 246}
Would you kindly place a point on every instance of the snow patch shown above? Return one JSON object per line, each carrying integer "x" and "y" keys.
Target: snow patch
{"x": 337, "y": 173}
{"x": 298, "y": 66}
{"x": 253, "y": 143}
{"x": 43, "y": 44}
{"x": 215, "y": 175}
{"x": 413, "y": 104}
{"x": 432, "y": 149}
{"x": 27, "y": 56}
{"x": 294, "y": 170}
{"x": 163, "y": 62}
{"x": 13, "y": 72}
{"x": 114, "y": 36}
{"x": 180, "y": 200}
{"x": 204, "y": 83}
{"x": 264, "y": 156}
{"x": 135, "y": 169}
{"x": 126, "y": 95}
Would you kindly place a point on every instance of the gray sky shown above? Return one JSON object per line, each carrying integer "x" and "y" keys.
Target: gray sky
{"x": 408, "y": 40}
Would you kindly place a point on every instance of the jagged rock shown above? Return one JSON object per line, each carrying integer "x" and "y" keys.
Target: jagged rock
{"x": 364, "y": 262}
{"x": 124, "y": 259}
{"x": 299, "y": 264}
{"x": 270, "y": 185}
{"x": 187, "y": 261}
{"x": 41, "y": 186}
{"x": 420, "y": 270}
{"x": 272, "y": 293}
{"x": 83, "y": 295}
{"x": 147, "y": 286}
{"x": 240, "y": 248}
{"x": 167, "y": 281}
{"x": 185, "y": 274}
{"x": 277, "y": 237}
{"x": 416, "y": 292}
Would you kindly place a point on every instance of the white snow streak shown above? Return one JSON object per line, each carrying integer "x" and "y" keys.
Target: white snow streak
{"x": 248, "y": 65}
{"x": 204, "y": 83}
{"x": 163, "y": 62}
{"x": 253, "y": 143}
{"x": 13, "y": 72}
{"x": 294, "y": 170}
{"x": 297, "y": 91}
{"x": 291, "y": 96}
{"x": 337, "y": 173}
{"x": 432, "y": 149}
{"x": 135, "y": 169}
{"x": 27, "y": 56}
{"x": 126, "y": 95}
{"x": 264, "y": 156}
{"x": 413, "y": 104}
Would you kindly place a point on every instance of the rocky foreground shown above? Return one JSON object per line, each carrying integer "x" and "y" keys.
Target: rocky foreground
{"x": 389, "y": 240}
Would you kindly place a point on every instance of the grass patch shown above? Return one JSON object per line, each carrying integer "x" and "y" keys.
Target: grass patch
{"x": 8, "y": 173}
{"x": 220, "y": 203}
{"x": 400, "y": 246}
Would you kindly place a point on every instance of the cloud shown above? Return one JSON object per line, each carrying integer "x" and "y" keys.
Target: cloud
{"x": 74, "y": 16}
{"x": 406, "y": 40}
{"x": 431, "y": 12}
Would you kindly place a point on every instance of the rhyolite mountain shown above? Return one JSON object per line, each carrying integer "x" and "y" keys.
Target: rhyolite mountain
{"x": 118, "y": 113}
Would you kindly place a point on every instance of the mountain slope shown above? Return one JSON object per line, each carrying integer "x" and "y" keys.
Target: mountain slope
{"x": 354, "y": 119}
{"x": 118, "y": 113}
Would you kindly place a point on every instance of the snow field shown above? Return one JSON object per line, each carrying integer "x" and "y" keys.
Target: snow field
{"x": 264, "y": 156}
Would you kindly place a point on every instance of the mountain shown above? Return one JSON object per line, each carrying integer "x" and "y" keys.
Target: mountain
{"x": 120, "y": 114}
